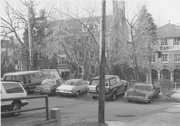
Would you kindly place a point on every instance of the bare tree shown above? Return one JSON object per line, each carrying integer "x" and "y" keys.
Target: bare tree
{"x": 133, "y": 55}
{"x": 15, "y": 21}
{"x": 67, "y": 31}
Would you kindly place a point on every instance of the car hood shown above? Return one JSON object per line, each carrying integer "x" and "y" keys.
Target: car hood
{"x": 65, "y": 87}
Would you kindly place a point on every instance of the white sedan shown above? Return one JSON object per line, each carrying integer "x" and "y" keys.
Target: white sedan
{"x": 73, "y": 87}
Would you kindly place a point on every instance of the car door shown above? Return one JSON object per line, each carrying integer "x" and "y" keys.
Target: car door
{"x": 12, "y": 90}
{"x": 84, "y": 86}
{"x": 120, "y": 86}
{"x": 155, "y": 91}
{"x": 79, "y": 86}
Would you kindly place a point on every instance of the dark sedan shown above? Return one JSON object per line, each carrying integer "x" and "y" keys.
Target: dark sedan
{"x": 142, "y": 92}
{"x": 48, "y": 86}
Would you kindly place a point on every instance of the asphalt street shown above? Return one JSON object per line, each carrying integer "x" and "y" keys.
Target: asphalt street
{"x": 84, "y": 109}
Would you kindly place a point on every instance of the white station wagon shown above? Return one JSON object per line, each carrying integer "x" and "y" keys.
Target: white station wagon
{"x": 12, "y": 90}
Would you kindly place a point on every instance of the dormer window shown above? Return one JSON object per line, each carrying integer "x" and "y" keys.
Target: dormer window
{"x": 164, "y": 42}
{"x": 96, "y": 26}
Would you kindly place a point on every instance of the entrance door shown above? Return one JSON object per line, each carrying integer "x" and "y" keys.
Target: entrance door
{"x": 165, "y": 74}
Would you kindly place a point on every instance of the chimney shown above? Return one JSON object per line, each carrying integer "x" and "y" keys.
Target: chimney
{"x": 169, "y": 21}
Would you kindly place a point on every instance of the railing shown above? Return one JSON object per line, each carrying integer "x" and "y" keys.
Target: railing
{"x": 32, "y": 109}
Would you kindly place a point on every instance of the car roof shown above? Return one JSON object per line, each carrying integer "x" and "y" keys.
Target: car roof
{"x": 21, "y": 73}
{"x": 74, "y": 80}
{"x": 106, "y": 77}
{"x": 143, "y": 84}
{"x": 8, "y": 82}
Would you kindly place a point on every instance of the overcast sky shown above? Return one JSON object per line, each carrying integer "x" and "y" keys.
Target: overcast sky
{"x": 161, "y": 10}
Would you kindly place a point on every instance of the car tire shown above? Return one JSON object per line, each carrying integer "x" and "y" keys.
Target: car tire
{"x": 77, "y": 93}
{"x": 125, "y": 88}
{"x": 113, "y": 97}
{"x": 150, "y": 101}
{"x": 94, "y": 97}
{"x": 16, "y": 106}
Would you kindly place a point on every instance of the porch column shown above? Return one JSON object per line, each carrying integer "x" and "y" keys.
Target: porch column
{"x": 147, "y": 78}
{"x": 159, "y": 75}
{"x": 171, "y": 76}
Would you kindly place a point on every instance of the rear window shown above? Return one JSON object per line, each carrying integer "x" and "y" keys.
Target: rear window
{"x": 143, "y": 87}
{"x": 12, "y": 88}
{"x": 96, "y": 82}
{"x": 12, "y": 78}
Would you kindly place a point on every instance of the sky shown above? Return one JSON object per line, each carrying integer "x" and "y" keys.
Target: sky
{"x": 163, "y": 11}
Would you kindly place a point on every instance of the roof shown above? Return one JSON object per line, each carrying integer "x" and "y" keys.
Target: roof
{"x": 74, "y": 25}
{"x": 21, "y": 72}
{"x": 106, "y": 77}
{"x": 168, "y": 30}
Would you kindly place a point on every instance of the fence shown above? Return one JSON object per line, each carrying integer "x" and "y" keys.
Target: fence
{"x": 32, "y": 109}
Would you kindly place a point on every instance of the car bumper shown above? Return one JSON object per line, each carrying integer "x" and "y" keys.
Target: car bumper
{"x": 97, "y": 95}
{"x": 43, "y": 91}
{"x": 65, "y": 93}
{"x": 137, "y": 98}
{"x": 25, "y": 103}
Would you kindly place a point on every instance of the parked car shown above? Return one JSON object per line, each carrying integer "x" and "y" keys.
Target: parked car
{"x": 113, "y": 86}
{"x": 28, "y": 79}
{"x": 73, "y": 87}
{"x": 48, "y": 86}
{"x": 12, "y": 90}
{"x": 142, "y": 92}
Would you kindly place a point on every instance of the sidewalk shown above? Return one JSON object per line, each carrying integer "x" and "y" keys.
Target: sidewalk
{"x": 168, "y": 117}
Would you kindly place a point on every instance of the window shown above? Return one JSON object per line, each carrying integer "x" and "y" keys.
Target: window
{"x": 80, "y": 55}
{"x": 164, "y": 42}
{"x": 91, "y": 54}
{"x": 40, "y": 57}
{"x": 91, "y": 40}
{"x": 176, "y": 57}
{"x": 164, "y": 58}
{"x": 96, "y": 26}
{"x": 176, "y": 41}
{"x": 86, "y": 39}
{"x": 84, "y": 27}
{"x": 80, "y": 83}
{"x": 153, "y": 58}
{"x": 79, "y": 41}
{"x": 12, "y": 88}
{"x": 92, "y": 70}
{"x": 112, "y": 81}
{"x": 80, "y": 70}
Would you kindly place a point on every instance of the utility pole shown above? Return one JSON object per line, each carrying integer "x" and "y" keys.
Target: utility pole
{"x": 149, "y": 59}
{"x": 30, "y": 37}
{"x": 101, "y": 117}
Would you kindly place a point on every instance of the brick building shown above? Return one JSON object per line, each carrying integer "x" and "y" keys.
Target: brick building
{"x": 168, "y": 65}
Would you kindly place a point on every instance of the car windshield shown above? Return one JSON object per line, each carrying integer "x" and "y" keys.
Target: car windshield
{"x": 96, "y": 82}
{"x": 49, "y": 83}
{"x": 143, "y": 87}
{"x": 69, "y": 82}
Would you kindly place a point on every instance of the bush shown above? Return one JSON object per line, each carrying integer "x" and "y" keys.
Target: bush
{"x": 166, "y": 87}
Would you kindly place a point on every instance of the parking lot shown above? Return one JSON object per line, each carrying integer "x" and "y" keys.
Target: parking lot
{"x": 84, "y": 109}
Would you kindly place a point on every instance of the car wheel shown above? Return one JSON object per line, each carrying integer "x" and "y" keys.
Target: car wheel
{"x": 113, "y": 97}
{"x": 93, "y": 97}
{"x": 15, "y": 107}
{"x": 150, "y": 101}
{"x": 125, "y": 88}
{"x": 77, "y": 93}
